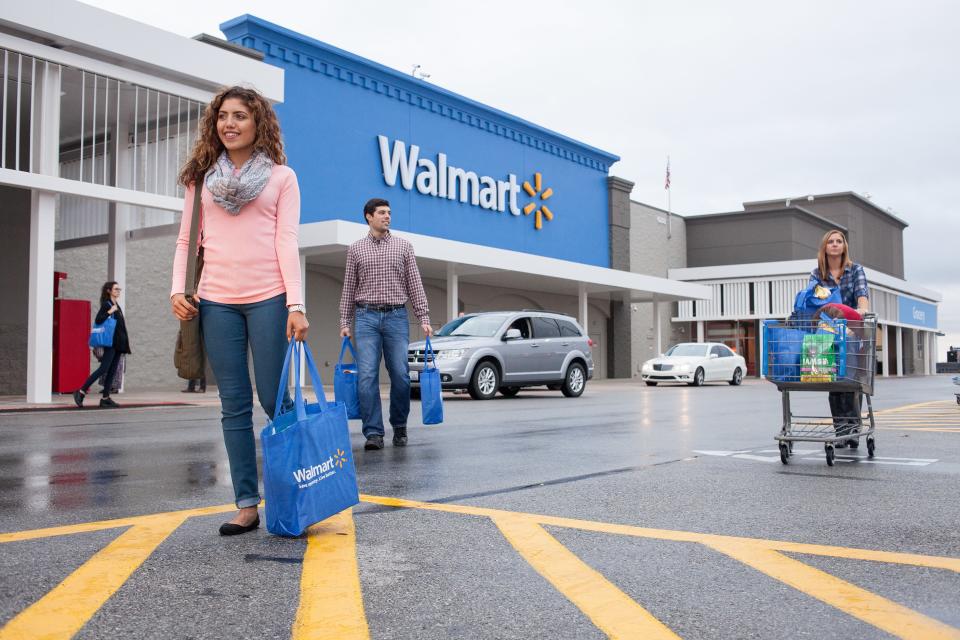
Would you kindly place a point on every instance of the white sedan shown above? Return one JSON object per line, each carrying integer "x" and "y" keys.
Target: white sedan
{"x": 695, "y": 363}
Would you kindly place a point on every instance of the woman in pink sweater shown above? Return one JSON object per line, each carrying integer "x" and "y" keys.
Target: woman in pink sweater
{"x": 250, "y": 293}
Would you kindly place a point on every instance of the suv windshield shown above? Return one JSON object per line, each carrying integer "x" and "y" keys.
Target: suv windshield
{"x": 688, "y": 350}
{"x": 484, "y": 326}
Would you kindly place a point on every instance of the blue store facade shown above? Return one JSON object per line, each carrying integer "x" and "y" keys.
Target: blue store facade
{"x": 502, "y": 213}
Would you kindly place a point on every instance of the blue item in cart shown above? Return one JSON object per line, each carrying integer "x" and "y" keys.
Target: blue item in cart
{"x": 431, "y": 398}
{"x": 783, "y": 347}
{"x": 345, "y": 381}
{"x": 308, "y": 472}
{"x": 102, "y": 334}
{"x": 813, "y": 297}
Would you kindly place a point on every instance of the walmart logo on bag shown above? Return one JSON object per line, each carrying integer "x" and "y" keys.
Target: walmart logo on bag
{"x": 309, "y": 476}
{"x": 438, "y": 179}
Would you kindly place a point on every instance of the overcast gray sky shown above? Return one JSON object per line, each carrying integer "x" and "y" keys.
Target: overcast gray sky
{"x": 751, "y": 99}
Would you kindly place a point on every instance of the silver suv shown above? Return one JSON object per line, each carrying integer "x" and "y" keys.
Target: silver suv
{"x": 506, "y": 350}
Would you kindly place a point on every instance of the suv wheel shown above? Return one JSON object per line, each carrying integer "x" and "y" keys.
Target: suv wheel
{"x": 484, "y": 382}
{"x": 509, "y": 392}
{"x": 575, "y": 381}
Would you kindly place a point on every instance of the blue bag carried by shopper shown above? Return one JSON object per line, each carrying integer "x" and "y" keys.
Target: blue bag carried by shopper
{"x": 102, "y": 334}
{"x": 345, "y": 381}
{"x": 813, "y": 297}
{"x": 431, "y": 399}
{"x": 308, "y": 472}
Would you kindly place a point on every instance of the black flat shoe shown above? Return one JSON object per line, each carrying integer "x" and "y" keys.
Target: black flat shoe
{"x": 230, "y": 529}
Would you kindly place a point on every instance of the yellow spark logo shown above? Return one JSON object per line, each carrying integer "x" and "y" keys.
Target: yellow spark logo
{"x": 340, "y": 458}
{"x": 541, "y": 211}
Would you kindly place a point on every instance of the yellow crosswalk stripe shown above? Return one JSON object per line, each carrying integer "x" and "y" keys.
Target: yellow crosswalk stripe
{"x": 609, "y": 608}
{"x": 331, "y": 603}
{"x": 883, "y": 614}
{"x": 67, "y": 607}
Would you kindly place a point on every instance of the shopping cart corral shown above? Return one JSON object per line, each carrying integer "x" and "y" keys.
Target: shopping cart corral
{"x": 822, "y": 354}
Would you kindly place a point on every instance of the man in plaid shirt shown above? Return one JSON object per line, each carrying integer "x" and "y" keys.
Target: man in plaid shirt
{"x": 381, "y": 276}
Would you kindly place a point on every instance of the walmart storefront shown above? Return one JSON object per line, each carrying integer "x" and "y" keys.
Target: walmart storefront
{"x": 502, "y": 214}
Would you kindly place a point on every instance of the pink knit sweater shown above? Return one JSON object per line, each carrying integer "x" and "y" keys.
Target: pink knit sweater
{"x": 251, "y": 256}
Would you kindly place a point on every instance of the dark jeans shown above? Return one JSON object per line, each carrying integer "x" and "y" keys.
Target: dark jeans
{"x": 383, "y": 334}
{"x": 108, "y": 365}
{"x": 228, "y": 329}
{"x": 845, "y": 407}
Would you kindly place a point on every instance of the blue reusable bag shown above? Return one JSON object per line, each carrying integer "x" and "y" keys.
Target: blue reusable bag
{"x": 783, "y": 347}
{"x": 102, "y": 334}
{"x": 807, "y": 303}
{"x": 431, "y": 399}
{"x": 308, "y": 472}
{"x": 345, "y": 381}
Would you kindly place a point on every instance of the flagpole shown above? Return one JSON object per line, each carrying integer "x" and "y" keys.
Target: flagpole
{"x": 669, "y": 208}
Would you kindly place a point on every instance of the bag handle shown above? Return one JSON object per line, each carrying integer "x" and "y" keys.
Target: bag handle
{"x": 190, "y": 287}
{"x": 298, "y": 401}
{"x": 347, "y": 344}
{"x": 428, "y": 356}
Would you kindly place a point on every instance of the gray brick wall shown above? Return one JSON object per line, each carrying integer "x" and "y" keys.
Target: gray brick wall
{"x": 146, "y": 308}
{"x": 14, "y": 278}
{"x": 657, "y": 243}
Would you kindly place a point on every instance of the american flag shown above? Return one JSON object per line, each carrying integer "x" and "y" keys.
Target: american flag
{"x": 666, "y": 183}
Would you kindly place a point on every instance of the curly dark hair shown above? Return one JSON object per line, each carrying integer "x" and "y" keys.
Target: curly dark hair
{"x": 106, "y": 289}
{"x": 208, "y": 146}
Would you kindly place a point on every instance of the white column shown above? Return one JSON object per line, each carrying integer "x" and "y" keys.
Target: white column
{"x": 582, "y": 306}
{"x": 887, "y": 347}
{"x": 700, "y": 333}
{"x": 42, "y": 238}
{"x": 899, "y": 352}
{"x": 40, "y": 298}
{"x": 657, "y": 328}
{"x": 932, "y": 352}
{"x": 119, "y": 223}
{"x": 453, "y": 292}
{"x": 303, "y": 289}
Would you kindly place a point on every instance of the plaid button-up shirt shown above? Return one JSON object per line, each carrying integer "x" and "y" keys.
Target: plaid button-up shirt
{"x": 853, "y": 283}
{"x": 382, "y": 271}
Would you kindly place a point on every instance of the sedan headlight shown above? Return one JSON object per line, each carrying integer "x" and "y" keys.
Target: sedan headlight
{"x": 683, "y": 367}
{"x": 450, "y": 354}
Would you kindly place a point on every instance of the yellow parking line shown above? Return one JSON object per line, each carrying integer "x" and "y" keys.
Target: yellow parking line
{"x": 67, "y": 607}
{"x": 331, "y": 603}
{"x": 87, "y": 527}
{"x": 869, "y": 607}
{"x": 609, "y": 608}
{"x": 940, "y": 562}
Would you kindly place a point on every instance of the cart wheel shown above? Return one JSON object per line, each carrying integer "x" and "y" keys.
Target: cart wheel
{"x": 871, "y": 446}
{"x": 829, "y": 450}
{"x": 784, "y": 453}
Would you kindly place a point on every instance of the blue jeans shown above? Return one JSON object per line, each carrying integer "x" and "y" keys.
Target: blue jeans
{"x": 108, "y": 366}
{"x": 386, "y": 334}
{"x": 227, "y": 330}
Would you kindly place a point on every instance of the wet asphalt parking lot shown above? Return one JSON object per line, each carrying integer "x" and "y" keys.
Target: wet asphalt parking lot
{"x": 628, "y": 512}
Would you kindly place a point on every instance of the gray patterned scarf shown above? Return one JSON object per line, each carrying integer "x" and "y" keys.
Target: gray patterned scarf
{"x": 231, "y": 189}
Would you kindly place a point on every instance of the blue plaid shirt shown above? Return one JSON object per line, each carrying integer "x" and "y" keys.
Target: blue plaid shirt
{"x": 853, "y": 283}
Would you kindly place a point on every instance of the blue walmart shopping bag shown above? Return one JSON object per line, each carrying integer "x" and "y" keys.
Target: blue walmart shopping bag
{"x": 431, "y": 399}
{"x": 308, "y": 472}
{"x": 813, "y": 297}
{"x": 102, "y": 334}
{"x": 345, "y": 381}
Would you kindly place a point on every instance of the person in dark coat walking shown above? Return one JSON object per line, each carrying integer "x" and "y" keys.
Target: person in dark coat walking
{"x": 109, "y": 294}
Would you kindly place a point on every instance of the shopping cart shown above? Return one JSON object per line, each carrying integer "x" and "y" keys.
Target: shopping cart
{"x": 822, "y": 354}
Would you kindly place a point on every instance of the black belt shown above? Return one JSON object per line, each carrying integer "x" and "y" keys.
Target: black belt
{"x": 380, "y": 307}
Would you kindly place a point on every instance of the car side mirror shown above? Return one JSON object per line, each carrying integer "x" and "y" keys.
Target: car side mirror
{"x": 714, "y": 355}
{"x": 511, "y": 334}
